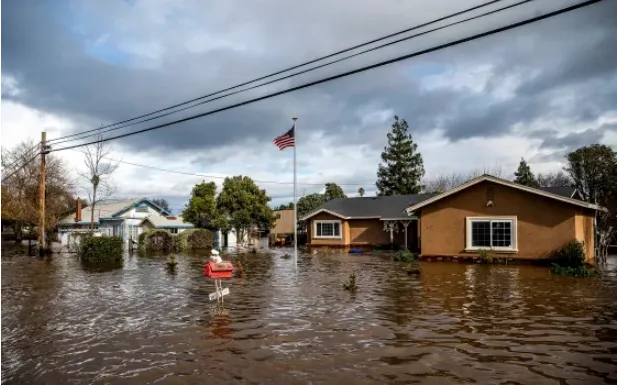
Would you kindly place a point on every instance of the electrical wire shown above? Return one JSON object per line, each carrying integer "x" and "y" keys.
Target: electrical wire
{"x": 345, "y": 74}
{"x": 223, "y": 177}
{"x": 21, "y": 167}
{"x": 24, "y": 155}
{"x": 275, "y": 73}
{"x": 310, "y": 69}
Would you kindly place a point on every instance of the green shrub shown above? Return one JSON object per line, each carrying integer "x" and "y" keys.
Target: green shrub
{"x": 579, "y": 271}
{"x": 485, "y": 256}
{"x": 572, "y": 254}
{"x": 405, "y": 256}
{"x": 101, "y": 249}
{"x": 194, "y": 239}
{"x": 157, "y": 240}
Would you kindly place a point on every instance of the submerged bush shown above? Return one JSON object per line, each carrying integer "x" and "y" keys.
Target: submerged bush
{"x": 100, "y": 249}
{"x": 485, "y": 256}
{"x": 579, "y": 271}
{"x": 405, "y": 256}
{"x": 194, "y": 239}
{"x": 572, "y": 254}
{"x": 156, "y": 240}
{"x": 570, "y": 261}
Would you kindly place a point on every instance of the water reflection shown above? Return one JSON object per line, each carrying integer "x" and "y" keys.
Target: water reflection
{"x": 454, "y": 323}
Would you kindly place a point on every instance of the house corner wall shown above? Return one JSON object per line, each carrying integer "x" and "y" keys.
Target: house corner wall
{"x": 585, "y": 232}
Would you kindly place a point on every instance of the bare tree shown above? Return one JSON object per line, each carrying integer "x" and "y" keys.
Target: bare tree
{"x": 98, "y": 174}
{"x": 555, "y": 179}
{"x": 20, "y": 191}
{"x": 444, "y": 182}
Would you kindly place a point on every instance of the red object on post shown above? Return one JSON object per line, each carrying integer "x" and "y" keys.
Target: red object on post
{"x": 218, "y": 270}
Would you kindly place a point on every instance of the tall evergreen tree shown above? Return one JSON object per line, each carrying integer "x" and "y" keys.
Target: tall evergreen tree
{"x": 402, "y": 167}
{"x": 524, "y": 175}
{"x": 361, "y": 191}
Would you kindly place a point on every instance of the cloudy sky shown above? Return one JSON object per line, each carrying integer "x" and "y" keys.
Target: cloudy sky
{"x": 534, "y": 92}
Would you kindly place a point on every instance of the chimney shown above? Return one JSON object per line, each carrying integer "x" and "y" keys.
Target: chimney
{"x": 78, "y": 211}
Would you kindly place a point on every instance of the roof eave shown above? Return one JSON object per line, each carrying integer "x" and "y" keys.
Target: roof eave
{"x": 489, "y": 178}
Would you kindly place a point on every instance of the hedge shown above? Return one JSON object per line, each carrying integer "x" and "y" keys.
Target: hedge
{"x": 194, "y": 239}
{"x": 156, "y": 240}
{"x": 100, "y": 249}
{"x": 163, "y": 240}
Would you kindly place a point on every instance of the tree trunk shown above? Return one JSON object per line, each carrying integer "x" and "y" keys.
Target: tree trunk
{"x": 94, "y": 187}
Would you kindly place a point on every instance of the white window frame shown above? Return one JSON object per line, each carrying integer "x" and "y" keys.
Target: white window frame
{"x": 514, "y": 233}
{"x": 340, "y": 229}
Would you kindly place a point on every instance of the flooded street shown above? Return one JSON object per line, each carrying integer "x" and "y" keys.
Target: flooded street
{"x": 456, "y": 323}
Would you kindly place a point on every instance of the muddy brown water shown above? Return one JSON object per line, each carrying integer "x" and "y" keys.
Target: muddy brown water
{"x": 453, "y": 324}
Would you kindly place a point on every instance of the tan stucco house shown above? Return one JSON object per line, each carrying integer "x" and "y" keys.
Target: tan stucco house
{"x": 483, "y": 213}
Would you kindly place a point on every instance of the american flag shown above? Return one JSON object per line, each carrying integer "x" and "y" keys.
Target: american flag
{"x": 285, "y": 140}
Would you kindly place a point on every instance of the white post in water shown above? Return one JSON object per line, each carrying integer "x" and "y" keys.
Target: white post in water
{"x": 295, "y": 133}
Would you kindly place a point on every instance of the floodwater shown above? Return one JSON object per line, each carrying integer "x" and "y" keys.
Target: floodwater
{"x": 453, "y": 324}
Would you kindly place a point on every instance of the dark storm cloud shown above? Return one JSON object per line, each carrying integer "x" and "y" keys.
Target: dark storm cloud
{"x": 572, "y": 141}
{"x": 49, "y": 62}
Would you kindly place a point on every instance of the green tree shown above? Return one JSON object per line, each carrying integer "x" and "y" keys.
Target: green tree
{"x": 361, "y": 191}
{"x": 524, "y": 176}
{"x": 402, "y": 167}
{"x": 162, "y": 203}
{"x": 288, "y": 206}
{"x": 244, "y": 205}
{"x": 593, "y": 170}
{"x": 333, "y": 191}
{"x": 309, "y": 203}
{"x": 201, "y": 209}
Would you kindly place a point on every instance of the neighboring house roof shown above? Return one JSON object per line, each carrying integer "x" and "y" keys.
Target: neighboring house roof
{"x": 134, "y": 203}
{"x": 383, "y": 207}
{"x": 105, "y": 209}
{"x": 564, "y": 191}
{"x": 507, "y": 183}
{"x": 108, "y": 209}
{"x": 167, "y": 222}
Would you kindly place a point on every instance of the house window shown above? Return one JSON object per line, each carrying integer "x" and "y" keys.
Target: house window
{"x": 496, "y": 233}
{"x": 327, "y": 229}
{"x": 173, "y": 231}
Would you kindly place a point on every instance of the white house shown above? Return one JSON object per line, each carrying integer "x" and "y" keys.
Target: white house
{"x": 127, "y": 219}
{"x": 120, "y": 218}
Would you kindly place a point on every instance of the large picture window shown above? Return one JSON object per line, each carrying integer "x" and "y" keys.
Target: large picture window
{"x": 327, "y": 229}
{"x": 496, "y": 233}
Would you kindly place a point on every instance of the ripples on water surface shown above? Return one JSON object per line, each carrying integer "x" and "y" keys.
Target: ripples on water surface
{"x": 456, "y": 323}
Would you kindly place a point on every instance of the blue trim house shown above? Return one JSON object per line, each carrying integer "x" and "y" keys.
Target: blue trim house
{"x": 122, "y": 218}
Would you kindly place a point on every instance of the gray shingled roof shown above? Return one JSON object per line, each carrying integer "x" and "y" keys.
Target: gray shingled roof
{"x": 106, "y": 209}
{"x": 382, "y": 207}
{"x": 564, "y": 191}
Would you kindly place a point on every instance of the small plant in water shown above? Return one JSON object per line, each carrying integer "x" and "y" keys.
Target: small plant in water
{"x": 405, "y": 256}
{"x": 171, "y": 263}
{"x": 351, "y": 284}
{"x": 570, "y": 260}
{"x": 241, "y": 270}
{"x": 286, "y": 256}
{"x": 485, "y": 256}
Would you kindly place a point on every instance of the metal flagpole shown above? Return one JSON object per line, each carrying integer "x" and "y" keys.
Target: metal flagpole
{"x": 295, "y": 132}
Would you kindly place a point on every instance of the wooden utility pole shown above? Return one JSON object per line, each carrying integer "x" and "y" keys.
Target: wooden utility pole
{"x": 42, "y": 180}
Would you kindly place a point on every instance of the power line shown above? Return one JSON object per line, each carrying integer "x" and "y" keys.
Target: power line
{"x": 21, "y": 167}
{"x": 345, "y": 74}
{"x": 310, "y": 69}
{"x": 123, "y": 123}
{"x": 223, "y": 177}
